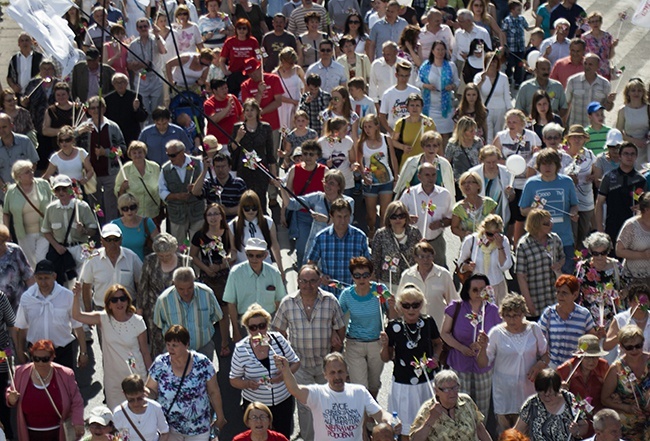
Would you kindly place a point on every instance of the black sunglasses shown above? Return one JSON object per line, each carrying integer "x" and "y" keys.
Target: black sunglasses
{"x": 414, "y": 305}
{"x": 249, "y": 208}
{"x": 354, "y": 22}
{"x": 632, "y": 347}
{"x": 398, "y": 216}
{"x": 489, "y": 234}
{"x": 112, "y": 239}
{"x": 172, "y": 155}
{"x": 37, "y": 359}
{"x": 129, "y": 208}
{"x": 66, "y": 140}
{"x": 361, "y": 275}
{"x": 598, "y": 253}
{"x": 255, "y": 255}
{"x": 261, "y": 327}
{"x": 119, "y": 299}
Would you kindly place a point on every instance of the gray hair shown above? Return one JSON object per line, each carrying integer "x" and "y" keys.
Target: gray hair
{"x": 389, "y": 43}
{"x": 598, "y": 240}
{"x": 602, "y": 416}
{"x": 560, "y": 21}
{"x": 334, "y": 356}
{"x": 175, "y": 143}
{"x": 183, "y": 274}
{"x": 20, "y": 167}
{"x": 552, "y": 127}
{"x": 119, "y": 76}
{"x": 465, "y": 13}
{"x": 164, "y": 243}
{"x": 445, "y": 376}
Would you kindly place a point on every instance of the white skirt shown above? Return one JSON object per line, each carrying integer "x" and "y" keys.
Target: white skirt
{"x": 406, "y": 400}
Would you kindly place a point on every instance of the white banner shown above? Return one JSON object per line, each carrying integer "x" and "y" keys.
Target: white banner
{"x": 50, "y": 30}
{"x": 641, "y": 15}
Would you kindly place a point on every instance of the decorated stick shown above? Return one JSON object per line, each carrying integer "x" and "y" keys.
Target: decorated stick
{"x": 4, "y": 358}
{"x": 43, "y": 80}
{"x": 76, "y": 212}
{"x": 631, "y": 378}
{"x": 137, "y": 88}
{"x": 487, "y": 294}
{"x": 622, "y": 16}
{"x": 568, "y": 380}
{"x": 601, "y": 312}
{"x": 423, "y": 364}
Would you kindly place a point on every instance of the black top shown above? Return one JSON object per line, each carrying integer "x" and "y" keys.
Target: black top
{"x": 618, "y": 187}
{"x": 411, "y": 342}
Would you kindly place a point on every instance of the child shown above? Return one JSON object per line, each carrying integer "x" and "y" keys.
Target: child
{"x": 100, "y": 424}
{"x": 338, "y": 150}
{"x": 514, "y": 26}
{"x": 215, "y": 72}
{"x": 296, "y": 137}
{"x": 186, "y": 123}
{"x": 362, "y": 104}
{"x": 534, "y": 43}
{"x": 597, "y": 131}
{"x": 148, "y": 413}
{"x": 314, "y": 101}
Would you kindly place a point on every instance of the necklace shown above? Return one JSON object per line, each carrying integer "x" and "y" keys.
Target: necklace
{"x": 413, "y": 337}
{"x": 448, "y": 410}
{"x": 45, "y": 381}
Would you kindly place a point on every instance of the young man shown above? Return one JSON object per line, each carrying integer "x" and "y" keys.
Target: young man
{"x": 222, "y": 108}
{"x": 393, "y": 101}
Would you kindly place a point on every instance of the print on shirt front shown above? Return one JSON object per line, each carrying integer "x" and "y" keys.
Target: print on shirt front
{"x": 341, "y": 421}
{"x": 554, "y": 197}
{"x": 398, "y": 109}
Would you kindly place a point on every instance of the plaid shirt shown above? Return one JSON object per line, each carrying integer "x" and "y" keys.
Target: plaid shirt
{"x": 333, "y": 253}
{"x": 579, "y": 93}
{"x": 533, "y": 260}
{"x": 314, "y": 109}
{"x": 514, "y": 28}
{"x": 310, "y": 337}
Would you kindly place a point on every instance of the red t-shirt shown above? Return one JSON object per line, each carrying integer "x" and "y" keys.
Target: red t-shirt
{"x": 212, "y": 106}
{"x": 272, "y": 436}
{"x": 273, "y": 88}
{"x": 237, "y": 51}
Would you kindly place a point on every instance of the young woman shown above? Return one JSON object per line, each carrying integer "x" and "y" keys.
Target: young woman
{"x": 633, "y": 117}
{"x": 542, "y": 114}
{"x": 340, "y": 106}
{"x": 472, "y": 105}
{"x": 292, "y": 78}
{"x": 495, "y": 93}
{"x": 409, "y": 130}
{"x": 376, "y": 155}
{"x": 463, "y": 148}
{"x": 356, "y": 28}
{"x": 115, "y": 53}
{"x": 189, "y": 37}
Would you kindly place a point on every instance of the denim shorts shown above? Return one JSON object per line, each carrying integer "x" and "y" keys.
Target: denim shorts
{"x": 377, "y": 189}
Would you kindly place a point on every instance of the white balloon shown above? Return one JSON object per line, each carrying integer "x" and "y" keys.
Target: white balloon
{"x": 532, "y": 57}
{"x": 516, "y": 164}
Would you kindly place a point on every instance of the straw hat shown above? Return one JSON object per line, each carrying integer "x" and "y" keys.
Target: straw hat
{"x": 588, "y": 346}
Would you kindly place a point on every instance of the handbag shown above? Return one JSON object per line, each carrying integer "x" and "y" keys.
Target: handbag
{"x": 162, "y": 210}
{"x": 64, "y": 264}
{"x": 442, "y": 361}
{"x": 68, "y": 428}
{"x": 148, "y": 241}
{"x": 463, "y": 276}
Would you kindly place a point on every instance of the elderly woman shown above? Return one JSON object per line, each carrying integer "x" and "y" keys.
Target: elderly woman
{"x": 566, "y": 321}
{"x": 600, "y": 42}
{"x": 550, "y": 414}
{"x": 433, "y": 280}
{"x": 495, "y": 179}
{"x": 589, "y": 370}
{"x": 253, "y": 368}
{"x": 259, "y": 420}
{"x": 468, "y": 213}
{"x": 46, "y": 397}
{"x": 140, "y": 178}
{"x": 595, "y": 271}
{"x": 414, "y": 335}
{"x": 409, "y": 131}
{"x": 69, "y": 160}
{"x": 395, "y": 239}
{"x": 460, "y": 330}
{"x": 553, "y": 137}
{"x": 517, "y": 349}
{"x": 157, "y": 272}
{"x": 15, "y": 273}
{"x": 431, "y": 142}
{"x": 185, "y": 384}
{"x": 463, "y": 147}
{"x": 24, "y": 205}
{"x": 494, "y": 84}
{"x": 637, "y": 294}
{"x": 124, "y": 338}
{"x": 538, "y": 259}
{"x": 449, "y": 415}
{"x": 214, "y": 26}
{"x": 633, "y": 243}
{"x": 366, "y": 302}
{"x": 319, "y": 203}
{"x": 488, "y": 252}
{"x": 625, "y": 386}
{"x": 137, "y": 231}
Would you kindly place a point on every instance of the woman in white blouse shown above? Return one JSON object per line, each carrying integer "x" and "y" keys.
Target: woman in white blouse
{"x": 499, "y": 101}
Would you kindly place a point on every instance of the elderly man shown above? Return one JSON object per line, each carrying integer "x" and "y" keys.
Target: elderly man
{"x": 86, "y": 76}
{"x": 124, "y": 107}
{"x": 557, "y": 46}
{"x": 607, "y": 425}
{"x": 192, "y": 305}
{"x": 100, "y": 28}
{"x": 542, "y": 82}
{"x": 111, "y": 264}
{"x": 571, "y": 65}
{"x": 158, "y": 134}
{"x": 388, "y": 28}
{"x": 383, "y": 72}
{"x": 312, "y": 319}
{"x": 586, "y": 87}
{"x": 68, "y": 224}
{"x": 177, "y": 178}
{"x": 434, "y": 30}
{"x": 467, "y": 31}
{"x": 253, "y": 281}
{"x": 337, "y": 408}
{"x": 427, "y": 193}
{"x": 45, "y": 312}
{"x": 23, "y": 65}
{"x": 16, "y": 147}
{"x": 335, "y": 245}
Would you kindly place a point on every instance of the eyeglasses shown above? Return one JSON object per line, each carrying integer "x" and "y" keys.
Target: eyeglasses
{"x": 255, "y": 255}
{"x": 135, "y": 400}
{"x": 632, "y": 347}
{"x": 249, "y": 208}
{"x": 449, "y": 389}
{"x": 112, "y": 239}
{"x": 63, "y": 189}
{"x": 414, "y": 305}
{"x": 173, "y": 155}
{"x": 397, "y": 216}
{"x": 66, "y": 140}
{"x": 239, "y": 28}
{"x": 309, "y": 281}
{"x": 183, "y": 13}
{"x": 143, "y": 27}
{"x": 129, "y": 208}
{"x": 258, "y": 418}
{"x": 261, "y": 327}
{"x": 354, "y": 22}
{"x": 37, "y": 359}
{"x": 598, "y": 253}
{"x": 327, "y": 51}
{"x": 361, "y": 275}
{"x": 553, "y": 138}
{"x": 119, "y": 299}
{"x": 511, "y": 316}
{"x": 213, "y": 214}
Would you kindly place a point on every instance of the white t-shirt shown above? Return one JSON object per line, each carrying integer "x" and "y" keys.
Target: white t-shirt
{"x": 339, "y": 415}
{"x": 72, "y": 168}
{"x": 339, "y": 152}
{"x": 150, "y": 423}
{"x": 393, "y": 103}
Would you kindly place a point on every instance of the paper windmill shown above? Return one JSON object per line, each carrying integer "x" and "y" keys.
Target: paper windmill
{"x": 251, "y": 159}
{"x": 430, "y": 208}
{"x": 488, "y": 294}
{"x": 390, "y": 264}
{"x": 88, "y": 250}
{"x": 98, "y": 210}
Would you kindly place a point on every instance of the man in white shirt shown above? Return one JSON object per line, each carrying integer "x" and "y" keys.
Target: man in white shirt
{"x": 393, "y": 101}
{"x": 432, "y": 210}
{"x": 607, "y": 425}
{"x": 337, "y": 407}
{"x": 111, "y": 264}
{"x": 382, "y": 72}
{"x": 467, "y": 32}
{"x": 434, "y": 30}
{"x": 45, "y": 312}
{"x": 23, "y": 65}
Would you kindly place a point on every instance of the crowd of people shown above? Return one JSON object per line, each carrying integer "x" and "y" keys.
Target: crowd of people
{"x": 142, "y": 197}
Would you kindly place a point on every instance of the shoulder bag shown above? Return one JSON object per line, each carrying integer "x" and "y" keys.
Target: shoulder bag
{"x": 187, "y": 363}
{"x": 131, "y": 423}
{"x": 68, "y": 428}
{"x": 463, "y": 276}
{"x": 162, "y": 212}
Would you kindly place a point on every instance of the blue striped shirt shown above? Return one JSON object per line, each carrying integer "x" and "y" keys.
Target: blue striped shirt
{"x": 562, "y": 335}
{"x": 365, "y": 324}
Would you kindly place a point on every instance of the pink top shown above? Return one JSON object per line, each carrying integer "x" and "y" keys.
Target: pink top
{"x": 120, "y": 63}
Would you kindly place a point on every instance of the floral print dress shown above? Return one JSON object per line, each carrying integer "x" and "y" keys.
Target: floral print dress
{"x": 593, "y": 283}
{"x": 630, "y": 389}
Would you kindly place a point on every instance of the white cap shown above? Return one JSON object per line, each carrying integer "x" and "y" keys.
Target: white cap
{"x": 256, "y": 244}
{"x": 101, "y": 415}
{"x": 109, "y": 230}
{"x": 614, "y": 138}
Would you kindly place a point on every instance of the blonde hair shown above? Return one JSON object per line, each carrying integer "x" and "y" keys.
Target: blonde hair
{"x": 464, "y": 124}
{"x": 255, "y": 310}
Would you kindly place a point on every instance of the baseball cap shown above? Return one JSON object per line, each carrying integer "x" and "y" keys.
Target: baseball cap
{"x": 44, "y": 267}
{"x": 593, "y": 107}
{"x": 109, "y": 230}
{"x": 614, "y": 138}
{"x": 101, "y": 415}
{"x": 251, "y": 64}
{"x": 61, "y": 181}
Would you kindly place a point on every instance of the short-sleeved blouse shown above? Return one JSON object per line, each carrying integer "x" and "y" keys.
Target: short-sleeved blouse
{"x": 460, "y": 428}
{"x": 545, "y": 426}
{"x": 634, "y": 237}
{"x": 471, "y": 221}
{"x": 411, "y": 341}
